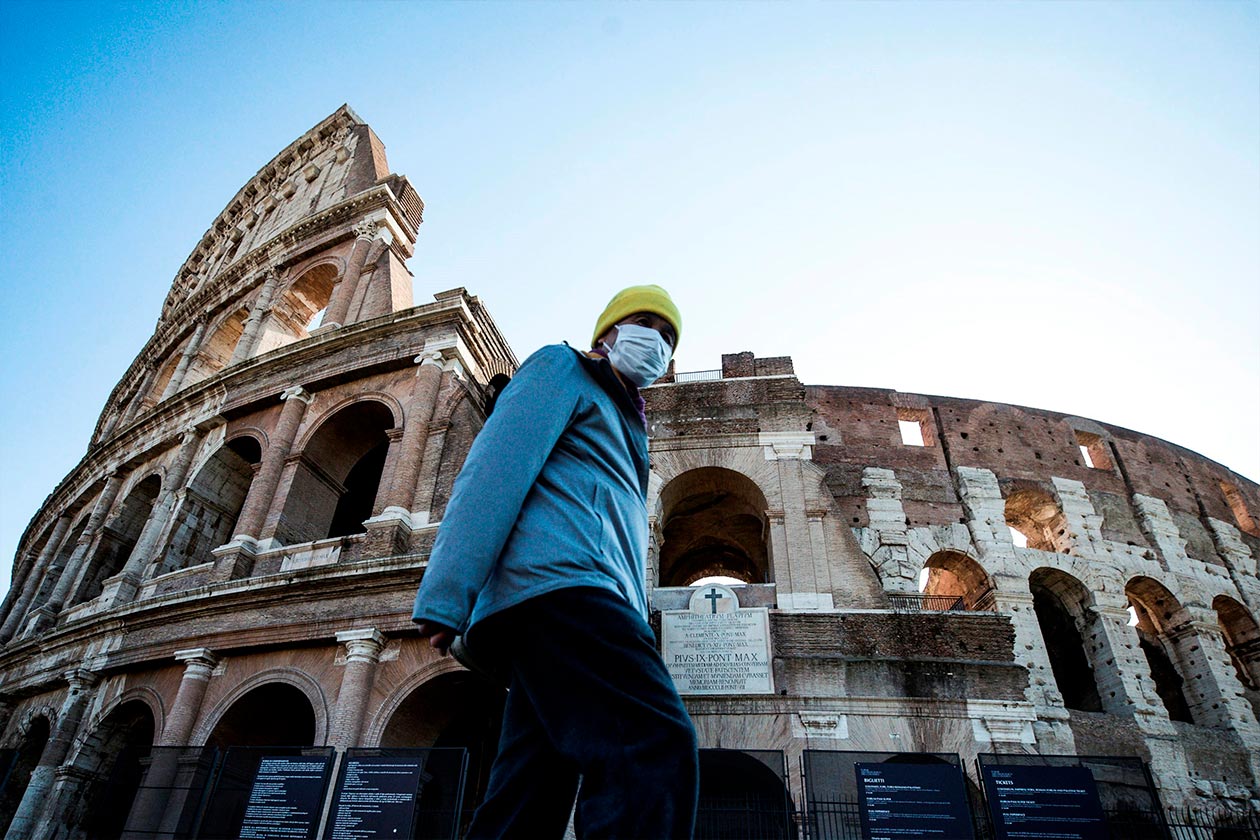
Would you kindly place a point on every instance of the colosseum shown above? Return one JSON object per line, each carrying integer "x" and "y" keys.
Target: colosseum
{"x": 208, "y": 630}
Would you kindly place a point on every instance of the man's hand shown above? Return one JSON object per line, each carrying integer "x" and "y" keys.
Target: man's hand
{"x": 439, "y": 635}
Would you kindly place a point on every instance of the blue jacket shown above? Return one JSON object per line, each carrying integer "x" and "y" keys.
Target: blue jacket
{"x": 552, "y": 495}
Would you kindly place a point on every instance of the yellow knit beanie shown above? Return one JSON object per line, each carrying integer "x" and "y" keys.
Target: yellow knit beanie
{"x": 634, "y": 299}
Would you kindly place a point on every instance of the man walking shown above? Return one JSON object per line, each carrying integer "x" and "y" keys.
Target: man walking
{"x": 539, "y": 562}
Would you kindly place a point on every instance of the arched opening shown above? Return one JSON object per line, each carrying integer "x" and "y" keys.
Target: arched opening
{"x": 493, "y": 388}
{"x": 275, "y": 714}
{"x": 1242, "y": 643}
{"x": 119, "y": 537}
{"x": 216, "y": 349}
{"x": 743, "y": 794}
{"x": 110, "y": 766}
{"x": 161, "y": 380}
{"x": 48, "y": 580}
{"x": 212, "y": 504}
{"x": 1158, "y": 612}
{"x": 455, "y": 709}
{"x": 714, "y": 524}
{"x": 952, "y": 575}
{"x": 1062, "y": 605}
{"x": 28, "y": 752}
{"x": 1035, "y": 515}
{"x": 334, "y": 488}
{"x": 292, "y": 316}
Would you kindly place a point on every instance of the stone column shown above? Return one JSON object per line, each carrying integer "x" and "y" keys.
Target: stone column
{"x": 82, "y": 549}
{"x": 1212, "y": 688}
{"x": 1084, "y": 523}
{"x": 887, "y": 518}
{"x": 181, "y": 370}
{"x": 23, "y": 570}
{"x": 1118, "y": 662}
{"x": 263, "y": 487}
{"x": 361, "y": 307}
{"x": 434, "y": 443}
{"x": 1158, "y": 523}
{"x": 137, "y": 399}
{"x": 158, "y": 806}
{"x": 33, "y": 581}
{"x": 402, "y": 490}
{"x": 235, "y": 560}
{"x": 339, "y": 304}
{"x": 363, "y": 652}
{"x": 199, "y": 665}
{"x": 30, "y": 813}
{"x": 253, "y": 324}
{"x": 123, "y": 587}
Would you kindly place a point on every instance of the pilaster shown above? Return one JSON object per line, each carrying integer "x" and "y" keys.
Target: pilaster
{"x": 363, "y": 652}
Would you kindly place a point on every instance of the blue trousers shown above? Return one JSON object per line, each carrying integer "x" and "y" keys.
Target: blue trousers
{"x": 588, "y": 697}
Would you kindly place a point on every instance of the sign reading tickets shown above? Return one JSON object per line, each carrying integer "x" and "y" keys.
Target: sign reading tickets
{"x": 1028, "y": 801}
{"x": 899, "y": 801}
{"x": 717, "y": 647}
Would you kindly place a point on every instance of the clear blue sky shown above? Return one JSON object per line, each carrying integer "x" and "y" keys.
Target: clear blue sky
{"x": 1049, "y": 204}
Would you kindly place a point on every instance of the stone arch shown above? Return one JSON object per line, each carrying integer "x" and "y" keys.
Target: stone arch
{"x": 1065, "y": 615}
{"x": 94, "y": 802}
{"x": 742, "y": 796}
{"x": 217, "y": 345}
{"x": 1159, "y": 615}
{"x": 149, "y": 697}
{"x": 453, "y": 708}
{"x": 260, "y": 437}
{"x": 1035, "y": 513}
{"x": 212, "y": 503}
{"x": 294, "y": 308}
{"x": 458, "y": 433}
{"x": 956, "y": 574}
{"x": 119, "y": 536}
{"x": 713, "y": 522}
{"x": 389, "y": 401}
{"x": 302, "y": 682}
{"x": 338, "y": 472}
{"x": 35, "y": 730}
{"x": 493, "y": 389}
{"x": 162, "y": 378}
{"x": 454, "y": 392}
{"x": 1242, "y": 643}
{"x": 372, "y": 732}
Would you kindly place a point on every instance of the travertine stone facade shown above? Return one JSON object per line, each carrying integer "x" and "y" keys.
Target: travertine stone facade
{"x": 233, "y": 561}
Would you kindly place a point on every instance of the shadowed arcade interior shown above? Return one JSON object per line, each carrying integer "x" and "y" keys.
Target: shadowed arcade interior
{"x": 714, "y": 524}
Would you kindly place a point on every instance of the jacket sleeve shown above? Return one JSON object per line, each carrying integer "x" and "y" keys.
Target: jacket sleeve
{"x": 506, "y": 457}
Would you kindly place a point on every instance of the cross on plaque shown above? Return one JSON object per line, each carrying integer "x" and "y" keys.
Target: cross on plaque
{"x": 713, "y": 595}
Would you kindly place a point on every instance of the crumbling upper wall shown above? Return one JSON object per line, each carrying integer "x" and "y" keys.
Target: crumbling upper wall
{"x": 858, "y": 428}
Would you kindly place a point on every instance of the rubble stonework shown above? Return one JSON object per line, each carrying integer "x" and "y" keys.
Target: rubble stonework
{"x": 234, "y": 559}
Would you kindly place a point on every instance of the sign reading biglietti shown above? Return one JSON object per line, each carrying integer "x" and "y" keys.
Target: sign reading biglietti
{"x": 1028, "y": 801}
{"x": 912, "y": 800}
{"x": 717, "y": 647}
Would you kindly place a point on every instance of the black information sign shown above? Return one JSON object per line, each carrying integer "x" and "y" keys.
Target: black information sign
{"x": 904, "y": 801}
{"x": 1030, "y": 802}
{"x": 376, "y": 797}
{"x": 286, "y": 798}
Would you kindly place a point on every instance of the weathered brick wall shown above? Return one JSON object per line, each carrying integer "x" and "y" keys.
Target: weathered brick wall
{"x": 985, "y": 637}
{"x": 857, "y": 428}
{"x": 923, "y": 655}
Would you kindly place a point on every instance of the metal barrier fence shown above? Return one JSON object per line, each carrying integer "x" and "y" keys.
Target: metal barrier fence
{"x": 187, "y": 793}
{"x": 744, "y": 794}
{"x": 914, "y": 602}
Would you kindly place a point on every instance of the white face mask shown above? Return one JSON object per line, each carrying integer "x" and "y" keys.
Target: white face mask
{"x": 640, "y": 354}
